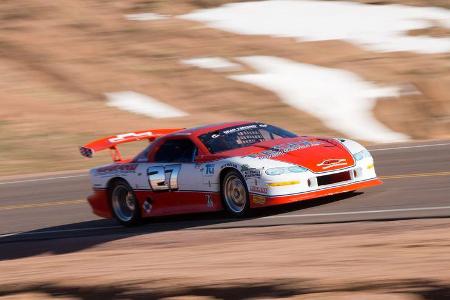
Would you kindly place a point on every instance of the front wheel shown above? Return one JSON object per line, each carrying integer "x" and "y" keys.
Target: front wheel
{"x": 235, "y": 194}
{"x": 124, "y": 205}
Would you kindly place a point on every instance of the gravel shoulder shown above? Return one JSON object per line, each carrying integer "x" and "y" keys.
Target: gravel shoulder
{"x": 378, "y": 260}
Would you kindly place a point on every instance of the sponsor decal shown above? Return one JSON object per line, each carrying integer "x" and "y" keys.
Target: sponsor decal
{"x": 279, "y": 150}
{"x": 208, "y": 170}
{"x": 229, "y": 165}
{"x": 259, "y": 200}
{"x": 329, "y": 163}
{"x": 209, "y": 201}
{"x": 258, "y": 189}
{"x": 123, "y": 137}
{"x": 147, "y": 207}
{"x": 117, "y": 169}
{"x": 250, "y": 172}
{"x": 241, "y": 128}
{"x": 238, "y": 129}
{"x": 244, "y": 168}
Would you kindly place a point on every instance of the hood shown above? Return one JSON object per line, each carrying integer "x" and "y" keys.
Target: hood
{"x": 316, "y": 154}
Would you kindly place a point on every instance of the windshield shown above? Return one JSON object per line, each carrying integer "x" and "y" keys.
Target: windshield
{"x": 242, "y": 136}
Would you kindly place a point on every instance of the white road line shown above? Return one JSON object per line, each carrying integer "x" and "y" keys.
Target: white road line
{"x": 359, "y": 212}
{"x": 269, "y": 217}
{"x": 43, "y": 179}
{"x": 6, "y": 235}
{"x": 58, "y": 231}
{"x": 410, "y": 147}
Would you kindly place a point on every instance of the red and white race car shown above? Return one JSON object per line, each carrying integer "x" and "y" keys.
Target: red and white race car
{"x": 234, "y": 166}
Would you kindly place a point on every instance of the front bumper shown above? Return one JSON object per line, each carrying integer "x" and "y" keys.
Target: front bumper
{"x": 262, "y": 201}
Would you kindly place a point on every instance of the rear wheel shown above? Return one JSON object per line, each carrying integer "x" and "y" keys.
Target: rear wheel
{"x": 124, "y": 204}
{"x": 235, "y": 195}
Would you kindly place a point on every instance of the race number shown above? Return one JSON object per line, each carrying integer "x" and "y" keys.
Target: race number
{"x": 163, "y": 178}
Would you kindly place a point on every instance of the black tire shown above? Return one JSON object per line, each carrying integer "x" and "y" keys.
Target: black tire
{"x": 124, "y": 206}
{"x": 235, "y": 200}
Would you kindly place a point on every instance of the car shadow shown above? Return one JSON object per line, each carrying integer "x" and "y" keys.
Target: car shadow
{"x": 75, "y": 237}
{"x": 282, "y": 288}
{"x": 301, "y": 205}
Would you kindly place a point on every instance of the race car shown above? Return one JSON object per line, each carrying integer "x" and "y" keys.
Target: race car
{"x": 235, "y": 166}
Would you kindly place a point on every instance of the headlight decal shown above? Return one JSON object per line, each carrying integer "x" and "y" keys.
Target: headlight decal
{"x": 284, "y": 170}
{"x": 362, "y": 154}
{"x": 275, "y": 171}
{"x": 297, "y": 169}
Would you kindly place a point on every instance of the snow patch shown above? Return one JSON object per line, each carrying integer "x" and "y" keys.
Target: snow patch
{"x": 212, "y": 63}
{"x": 340, "y": 99}
{"x": 375, "y": 27}
{"x": 142, "y": 104}
{"x": 145, "y": 17}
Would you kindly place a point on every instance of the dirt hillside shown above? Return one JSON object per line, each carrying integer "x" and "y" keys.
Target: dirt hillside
{"x": 59, "y": 58}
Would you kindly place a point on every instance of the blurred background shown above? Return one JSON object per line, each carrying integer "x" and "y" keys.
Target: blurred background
{"x": 377, "y": 71}
{"x": 72, "y": 71}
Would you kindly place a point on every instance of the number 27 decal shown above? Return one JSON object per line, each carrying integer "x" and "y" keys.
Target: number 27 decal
{"x": 163, "y": 178}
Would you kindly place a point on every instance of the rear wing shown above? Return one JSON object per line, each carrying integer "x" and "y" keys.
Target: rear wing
{"x": 111, "y": 142}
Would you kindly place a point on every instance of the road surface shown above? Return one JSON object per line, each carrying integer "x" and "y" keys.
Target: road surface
{"x": 416, "y": 176}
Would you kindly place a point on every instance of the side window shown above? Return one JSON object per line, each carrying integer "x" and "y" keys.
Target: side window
{"x": 181, "y": 151}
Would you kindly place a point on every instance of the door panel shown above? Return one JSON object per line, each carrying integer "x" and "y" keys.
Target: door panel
{"x": 175, "y": 180}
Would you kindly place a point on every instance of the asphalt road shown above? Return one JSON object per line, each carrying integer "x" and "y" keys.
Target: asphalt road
{"x": 417, "y": 185}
